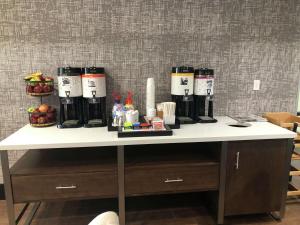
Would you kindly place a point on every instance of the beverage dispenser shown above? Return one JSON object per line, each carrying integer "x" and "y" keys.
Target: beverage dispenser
{"x": 182, "y": 90}
{"x": 70, "y": 97}
{"x": 94, "y": 97}
{"x": 203, "y": 95}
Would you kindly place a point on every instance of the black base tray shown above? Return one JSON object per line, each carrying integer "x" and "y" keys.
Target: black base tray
{"x": 213, "y": 120}
{"x": 94, "y": 125}
{"x": 167, "y": 132}
{"x": 111, "y": 128}
{"x": 176, "y": 125}
{"x": 60, "y": 126}
{"x": 185, "y": 122}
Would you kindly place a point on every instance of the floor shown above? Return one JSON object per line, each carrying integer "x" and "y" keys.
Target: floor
{"x": 151, "y": 212}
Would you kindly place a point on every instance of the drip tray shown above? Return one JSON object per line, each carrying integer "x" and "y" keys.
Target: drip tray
{"x": 239, "y": 124}
{"x": 185, "y": 120}
{"x": 95, "y": 123}
{"x": 206, "y": 119}
{"x": 70, "y": 124}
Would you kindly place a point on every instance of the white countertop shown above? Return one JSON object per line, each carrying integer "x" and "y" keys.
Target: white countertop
{"x": 51, "y": 137}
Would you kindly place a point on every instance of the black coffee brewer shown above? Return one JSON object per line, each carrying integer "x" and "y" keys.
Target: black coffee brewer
{"x": 203, "y": 95}
{"x": 70, "y": 97}
{"x": 182, "y": 86}
{"x": 94, "y": 97}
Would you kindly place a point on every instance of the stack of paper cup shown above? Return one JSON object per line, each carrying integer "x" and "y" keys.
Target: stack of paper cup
{"x": 150, "y": 98}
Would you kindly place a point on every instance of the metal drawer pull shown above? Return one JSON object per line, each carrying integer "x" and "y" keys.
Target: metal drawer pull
{"x": 66, "y": 187}
{"x": 237, "y": 164}
{"x": 173, "y": 181}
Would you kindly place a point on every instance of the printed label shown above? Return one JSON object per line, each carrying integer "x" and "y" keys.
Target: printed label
{"x": 69, "y": 86}
{"x": 93, "y": 85}
{"x": 204, "y": 86}
{"x": 182, "y": 84}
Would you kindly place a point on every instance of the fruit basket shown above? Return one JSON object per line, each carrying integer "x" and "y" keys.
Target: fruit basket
{"x": 42, "y": 116}
{"x": 39, "y": 85}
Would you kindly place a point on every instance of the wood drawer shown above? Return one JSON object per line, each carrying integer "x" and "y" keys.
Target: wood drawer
{"x": 153, "y": 179}
{"x": 64, "y": 186}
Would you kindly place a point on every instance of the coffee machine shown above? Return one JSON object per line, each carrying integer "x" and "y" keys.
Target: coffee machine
{"x": 182, "y": 87}
{"x": 203, "y": 95}
{"x": 70, "y": 97}
{"x": 94, "y": 96}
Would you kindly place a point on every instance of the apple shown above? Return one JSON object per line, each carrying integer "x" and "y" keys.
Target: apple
{"x": 47, "y": 89}
{"x": 36, "y": 111}
{"x": 50, "y": 116}
{"x": 45, "y": 119}
{"x": 38, "y": 89}
{"x": 34, "y": 116}
{"x": 33, "y": 120}
{"x": 43, "y": 108}
{"x": 29, "y": 88}
{"x": 30, "y": 109}
{"x": 41, "y": 120}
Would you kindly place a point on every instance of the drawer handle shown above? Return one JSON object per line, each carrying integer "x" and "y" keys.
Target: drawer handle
{"x": 173, "y": 181}
{"x": 66, "y": 187}
{"x": 237, "y": 163}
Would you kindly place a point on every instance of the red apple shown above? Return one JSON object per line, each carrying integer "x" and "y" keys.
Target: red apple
{"x": 46, "y": 89}
{"x": 38, "y": 89}
{"x": 45, "y": 119}
{"x": 41, "y": 120}
{"x": 29, "y": 88}
{"x": 33, "y": 120}
{"x": 50, "y": 117}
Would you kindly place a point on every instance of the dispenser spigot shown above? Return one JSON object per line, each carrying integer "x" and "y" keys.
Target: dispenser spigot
{"x": 186, "y": 97}
{"x": 94, "y": 100}
{"x": 68, "y": 100}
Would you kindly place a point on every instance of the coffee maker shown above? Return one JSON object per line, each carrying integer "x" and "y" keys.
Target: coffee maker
{"x": 182, "y": 87}
{"x": 94, "y": 97}
{"x": 70, "y": 97}
{"x": 203, "y": 95}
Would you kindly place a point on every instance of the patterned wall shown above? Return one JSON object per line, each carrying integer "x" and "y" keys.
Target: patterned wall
{"x": 136, "y": 39}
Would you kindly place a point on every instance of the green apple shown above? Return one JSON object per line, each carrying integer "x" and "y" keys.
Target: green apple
{"x": 31, "y": 109}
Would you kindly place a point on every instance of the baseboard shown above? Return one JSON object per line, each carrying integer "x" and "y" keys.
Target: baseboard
{"x": 2, "y": 195}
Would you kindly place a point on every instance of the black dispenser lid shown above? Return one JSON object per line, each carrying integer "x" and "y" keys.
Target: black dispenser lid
{"x": 204, "y": 72}
{"x": 183, "y": 69}
{"x": 210, "y": 72}
{"x": 93, "y": 70}
{"x": 69, "y": 71}
{"x": 201, "y": 71}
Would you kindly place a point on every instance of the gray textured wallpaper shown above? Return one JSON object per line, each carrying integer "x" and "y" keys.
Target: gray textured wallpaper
{"x": 242, "y": 40}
